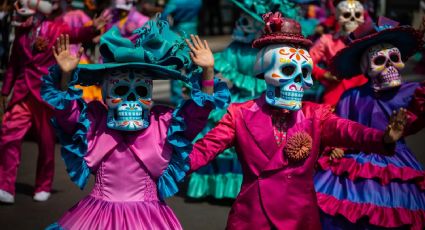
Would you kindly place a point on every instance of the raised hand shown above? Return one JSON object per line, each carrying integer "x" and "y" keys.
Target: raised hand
{"x": 201, "y": 53}
{"x": 396, "y": 125}
{"x": 66, "y": 61}
{"x": 100, "y": 22}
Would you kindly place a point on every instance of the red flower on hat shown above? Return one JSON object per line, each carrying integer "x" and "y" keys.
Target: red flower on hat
{"x": 273, "y": 21}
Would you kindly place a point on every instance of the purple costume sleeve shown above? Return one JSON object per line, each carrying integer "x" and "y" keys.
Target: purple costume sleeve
{"x": 195, "y": 117}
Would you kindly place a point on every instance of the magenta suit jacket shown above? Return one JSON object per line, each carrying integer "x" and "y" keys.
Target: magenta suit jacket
{"x": 277, "y": 193}
{"x": 27, "y": 64}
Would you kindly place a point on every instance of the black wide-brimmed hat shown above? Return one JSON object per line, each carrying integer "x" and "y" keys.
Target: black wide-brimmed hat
{"x": 346, "y": 63}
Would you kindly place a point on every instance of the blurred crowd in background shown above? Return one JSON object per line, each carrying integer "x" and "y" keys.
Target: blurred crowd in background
{"x": 204, "y": 17}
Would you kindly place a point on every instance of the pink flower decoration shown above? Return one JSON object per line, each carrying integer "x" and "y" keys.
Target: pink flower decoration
{"x": 298, "y": 147}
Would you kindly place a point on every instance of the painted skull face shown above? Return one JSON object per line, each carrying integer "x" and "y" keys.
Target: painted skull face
{"x": 30, "y": 7}
{"x": 383, "y": 64}
{"x": 128, "y": 95}
{"x": 246, "y": 29}
{"x": 287, "y": 72}
{"x": 124, "y": 4}
{"x": 350, "y": 15}
{"x": 25, "y": 9}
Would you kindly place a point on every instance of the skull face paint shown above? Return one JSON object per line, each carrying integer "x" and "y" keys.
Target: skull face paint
{"x": 350, "y": 15}
{"x": 128, "y": 95}
{"x": 247, "y": 29}
{"x": 383, "y": 64}
{"x": 124, "y": 4}
{"x": 287, "y": 72}
{"x": 25, "y": 9}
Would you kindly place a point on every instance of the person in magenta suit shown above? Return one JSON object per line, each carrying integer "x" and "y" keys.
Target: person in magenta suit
{"x": 278, "y": 137}
{"x": 30, "y": 58}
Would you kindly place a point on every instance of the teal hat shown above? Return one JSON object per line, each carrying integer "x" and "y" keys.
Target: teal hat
{"x": 157, "y": 52}
{"x": 256, "y": 8}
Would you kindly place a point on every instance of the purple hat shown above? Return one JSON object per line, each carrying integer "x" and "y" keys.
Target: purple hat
{"x": 346, "y": 63}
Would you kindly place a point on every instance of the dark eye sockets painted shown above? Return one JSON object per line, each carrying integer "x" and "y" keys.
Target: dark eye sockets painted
{"x": 121, "y": 90}
{"x": 380, "y": 60}
{"x": 288, "y": 70}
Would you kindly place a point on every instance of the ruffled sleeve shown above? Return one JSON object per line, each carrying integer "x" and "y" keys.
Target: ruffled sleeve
{"x": 73, "y": 144}
{"x": 182, "y": 146}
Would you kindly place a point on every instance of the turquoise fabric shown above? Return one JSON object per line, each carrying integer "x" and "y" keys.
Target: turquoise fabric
{"x": 74, "y": 146}
{"x": 54, "y": 226}
{"x": 158, "y": 51}
{"x": 179, "y": 164}
{"x": 222, "y": 178}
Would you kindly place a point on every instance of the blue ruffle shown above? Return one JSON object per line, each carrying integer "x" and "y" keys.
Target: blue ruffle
{"x": 403, "y": 157}
{"x": 74, "y": 146}
{"x": 54, "y": 226}
{"x": 392, "y": 195}
{"x": 179, "y": 163}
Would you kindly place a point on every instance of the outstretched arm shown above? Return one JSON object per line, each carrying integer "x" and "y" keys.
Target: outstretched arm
{"x": 202, "y": 56}
{"x": 55, "y": 86}
{"x": 345, "y": 133}
{"x": 216, "y": 141}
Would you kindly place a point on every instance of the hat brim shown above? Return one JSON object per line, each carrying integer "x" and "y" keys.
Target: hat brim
{"x": 246, "y": 10}
{"x": 270, "y": 39}
{"x": 93, "y": 74}
{"x": 346, "y": 63}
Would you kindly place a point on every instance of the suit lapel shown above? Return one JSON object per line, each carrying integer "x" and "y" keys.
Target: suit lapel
{"x": 258, "y": 121}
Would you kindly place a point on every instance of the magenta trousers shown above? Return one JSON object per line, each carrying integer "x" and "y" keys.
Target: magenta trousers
{"x": 16, "y": 122}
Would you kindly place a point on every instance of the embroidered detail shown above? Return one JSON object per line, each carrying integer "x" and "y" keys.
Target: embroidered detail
{"x": 279, "y": 125}
{"x": 298, "y": 147}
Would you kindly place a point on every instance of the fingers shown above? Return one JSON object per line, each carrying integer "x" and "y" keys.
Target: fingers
{"x": 191, "y": 47}
{"x": 206, "y": 45}
{"x": 62, "y": 42}
{"x": 200, "y": 43}
{"x": 80, "y": 51}
{"x": 55, "y": 54}
{"x": 58, "y": 45}
{"x": 195, "y": 42}
{"x": 67, "y": 42}
{"x": 336, "y": 153}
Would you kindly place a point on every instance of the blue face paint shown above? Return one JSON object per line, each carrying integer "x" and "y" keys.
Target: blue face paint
{"x": 129, "y": 98}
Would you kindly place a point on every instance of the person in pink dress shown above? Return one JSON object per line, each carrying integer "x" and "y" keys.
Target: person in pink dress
{"x": 75, "y": 17}
{"x": 278, "y": 137}
{"x": 350, "y": 14}
{"x": 136, "y": 150}
{"x": 31, "y": 56}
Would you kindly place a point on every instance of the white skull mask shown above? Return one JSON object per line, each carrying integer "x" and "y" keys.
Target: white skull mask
{"x": 287, "y": 72}
{"x": 25, "y": 9}
{"x": 247, "y": 29}
{"x": 124, "y": 4}
{"x": 383, "y": 63}
{"x": 350, "y": 15}
{"x": 128, "y": 95}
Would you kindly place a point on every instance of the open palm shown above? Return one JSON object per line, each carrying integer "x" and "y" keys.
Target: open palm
{"x": 66, "y": 61}
{"x": 201, "y": 53}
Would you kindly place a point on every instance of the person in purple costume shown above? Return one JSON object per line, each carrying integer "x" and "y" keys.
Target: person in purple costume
{"x": 366, "y": 190}
{"x": 138, "y": 152}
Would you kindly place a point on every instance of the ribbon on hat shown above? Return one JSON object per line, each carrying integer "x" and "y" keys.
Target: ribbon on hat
{"x": 155, "y": 44}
